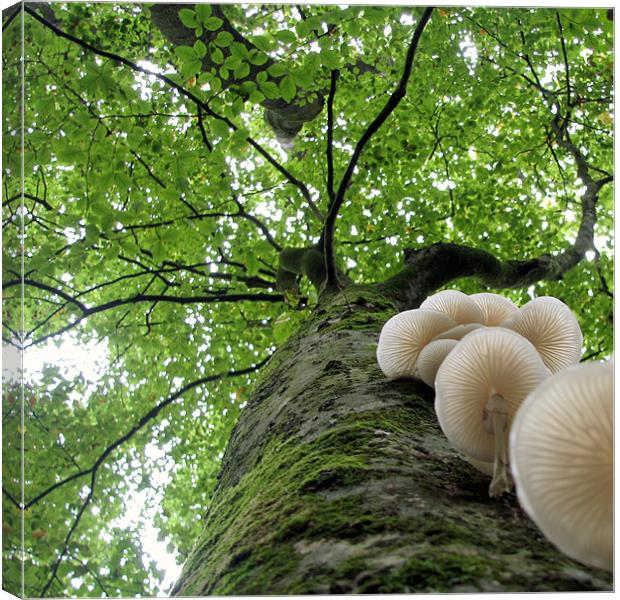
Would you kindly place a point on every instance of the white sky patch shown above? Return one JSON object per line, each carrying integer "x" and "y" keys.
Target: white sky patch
{"x": 444, "y": 185}
{"x": 550, "y": 74}
{"x": 469, "y": 53}
{"x": 91, "y": 360}
{"x": 268, "y": 209}
{"x": 143, "y": 505}
{"x": 71, "y": 356}
{"x": 146, "y": 81}
{"x": 145, "y": 64}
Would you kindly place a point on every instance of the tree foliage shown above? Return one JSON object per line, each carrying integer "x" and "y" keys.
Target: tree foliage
{"x": 167, "y": 159}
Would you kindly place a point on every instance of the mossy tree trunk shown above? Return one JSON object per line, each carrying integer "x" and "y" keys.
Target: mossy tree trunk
{"x": 338, "y": 480}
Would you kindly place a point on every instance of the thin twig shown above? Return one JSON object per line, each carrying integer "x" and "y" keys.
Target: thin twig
{"x": 390, "y": 106}
{"x": 330, "y": 135}
{"x": 566, "y": 70}
{"x": 190, "y": 96}
{"x": 144, "y": 420}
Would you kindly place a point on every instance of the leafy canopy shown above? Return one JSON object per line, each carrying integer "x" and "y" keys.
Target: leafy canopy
{"x": 153, "y": 225}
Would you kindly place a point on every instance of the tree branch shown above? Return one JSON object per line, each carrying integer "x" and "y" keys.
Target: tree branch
{"x": 190, "y": 96}
{"x": 47, "y": 288}
{"x": 40, "y": 201}
{"x": 566, "y": 71}
{"x": 137, "y": 298}
{"x": 11, "y": 498}
{"x": 330, "y": 136}
{"x": 203, "y": 133}
{"x": 144, "y": 420}
{"x": 431, "y": 267}
{"x": 246, "y": 215}
{"x": 69, "y": 535}
{"x": 392, "y": 103}
{"x": 15, "y": 11}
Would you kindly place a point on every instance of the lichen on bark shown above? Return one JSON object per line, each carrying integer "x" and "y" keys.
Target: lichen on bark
{"x": 337, "y": 480}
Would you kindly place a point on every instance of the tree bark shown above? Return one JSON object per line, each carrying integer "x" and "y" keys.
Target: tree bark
{"x": 337, "y": 480}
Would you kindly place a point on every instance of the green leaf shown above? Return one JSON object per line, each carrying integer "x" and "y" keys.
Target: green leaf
{"x": 213, "y": 23}
{"x": 288, "y": 37}
{"x": 224, "y": 39}
{"x": 232, "y": 62}
{"x": 256, "y": 97}
{"x": 303, "y": 77}
{"x": 287, "y": 88}
{"x": 262, "y": 42}
{"x": 170, "y": 193}
{"x": 188, "y": 18}
{"x": 69, "y": 154}
{"x": 216, "y": 84}
{"x": 217, "y": 56}
{"x": 203, "y": 12}
{"x": 200, "y": 48}
{"x": 282, "y": 328}
{"x": 270, "y": 89}
{"x": 239, "y": 50}
{"x": 220, "y": 128}
{"x": 330, "y": 59}
{"x": 185, "y": 53}
{"x": 243, "y": 70}
{"x": 108, "y": 83}
{"x": 258, "y": 58}
{"x": 277, "y": 70}
{"x": 190, "y": 68}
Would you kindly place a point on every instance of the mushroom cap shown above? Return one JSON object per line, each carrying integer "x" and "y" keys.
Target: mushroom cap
{"x": 480, "y": 465}
{"x": 404, "y": 335}
{"x": 487, "y": 361}
{"x": 431, "y": 357}
{"x": 561, "y": 446}
{"x": 456, "y": 304}
{"x": 495, "y": 308}
{"x": 553, "y": 329}
{"x": 458, "y": 332}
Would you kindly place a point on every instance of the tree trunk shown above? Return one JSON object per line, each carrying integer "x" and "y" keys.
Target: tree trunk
{"x": 337, "y": 480}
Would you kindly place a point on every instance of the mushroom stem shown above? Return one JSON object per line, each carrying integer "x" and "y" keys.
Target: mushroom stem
{"x": 495, "y": 419}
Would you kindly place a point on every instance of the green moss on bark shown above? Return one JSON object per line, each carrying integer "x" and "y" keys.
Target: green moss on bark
{"x": 337, "y": 480}
{"x": 267, "y": 532}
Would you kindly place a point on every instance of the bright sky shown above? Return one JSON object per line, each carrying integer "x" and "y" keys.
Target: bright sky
{"x": 91, "y": 360}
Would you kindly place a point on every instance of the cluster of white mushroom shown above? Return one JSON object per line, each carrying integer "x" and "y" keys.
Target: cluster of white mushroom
{"x": 496, "y": 367}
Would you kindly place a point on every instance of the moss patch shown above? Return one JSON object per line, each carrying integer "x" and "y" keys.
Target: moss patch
{"x": 341, "y": 481}
{"x": 280, "y": 500}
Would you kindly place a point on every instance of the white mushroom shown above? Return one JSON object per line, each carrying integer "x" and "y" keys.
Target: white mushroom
{"x": 479, "y": 387}
{"x": 456, "y": 304}
{"x": 458, "y": 332}
{"x": 495, "y": 308}
{"x": 553, "y": 330}
{"x": 561, "y": 448}
{"x": 404, "y": 335}
{"x": 431, "y": 357}
{"x": 480, "y": 465}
